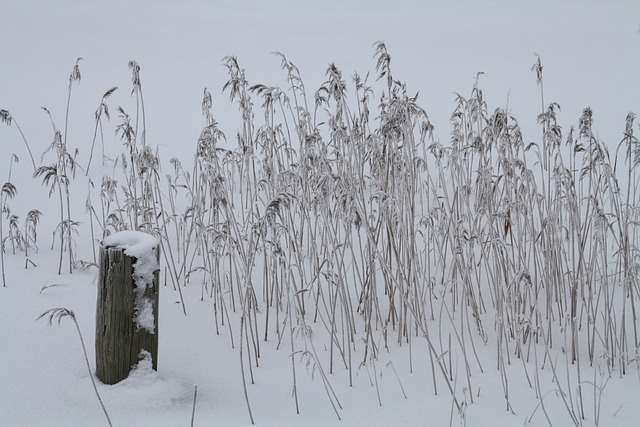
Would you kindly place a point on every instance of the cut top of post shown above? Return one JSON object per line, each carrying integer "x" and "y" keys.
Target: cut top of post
{"x": 136, "y": 244}
{"x": 140, "y": 246}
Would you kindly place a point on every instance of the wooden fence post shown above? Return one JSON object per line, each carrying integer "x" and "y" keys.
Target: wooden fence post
{"x": 127, "y": 308}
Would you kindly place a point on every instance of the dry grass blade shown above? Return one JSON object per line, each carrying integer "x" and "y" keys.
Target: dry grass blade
{"x": 58, "y": 314}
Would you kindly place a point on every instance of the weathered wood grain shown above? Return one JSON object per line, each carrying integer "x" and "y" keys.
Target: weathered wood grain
{"x": 118, "y": 339}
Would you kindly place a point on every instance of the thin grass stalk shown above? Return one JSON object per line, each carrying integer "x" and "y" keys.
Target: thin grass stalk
{"x": 103, "y": 109}
{"x": 166, "y": 249}
{"x": 74, "y": 76}
{"x": 59, "y": 313}
{"x": 8, "y": 119}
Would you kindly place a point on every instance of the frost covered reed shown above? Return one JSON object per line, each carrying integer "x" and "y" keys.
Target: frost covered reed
{"x": 335, "y": 219}
{"x": 59, "y": 314}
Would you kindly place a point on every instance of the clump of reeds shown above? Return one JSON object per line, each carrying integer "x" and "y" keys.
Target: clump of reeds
{"x": 337, "y": 219}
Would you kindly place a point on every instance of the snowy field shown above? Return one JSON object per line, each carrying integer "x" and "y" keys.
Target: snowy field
{"x": 347, "y": 254}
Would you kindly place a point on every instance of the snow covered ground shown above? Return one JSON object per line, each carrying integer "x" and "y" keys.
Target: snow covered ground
{"x": 589, "y": 50}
